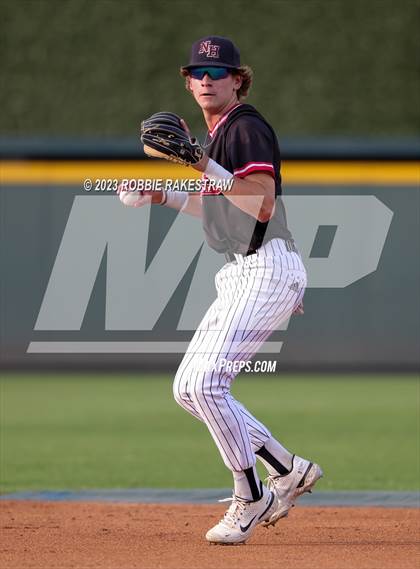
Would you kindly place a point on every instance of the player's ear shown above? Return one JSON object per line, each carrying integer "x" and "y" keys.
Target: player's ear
{"x": 237, "y": 82}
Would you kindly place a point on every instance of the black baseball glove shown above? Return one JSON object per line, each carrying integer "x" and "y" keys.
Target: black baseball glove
{"x": 165, "y": 136}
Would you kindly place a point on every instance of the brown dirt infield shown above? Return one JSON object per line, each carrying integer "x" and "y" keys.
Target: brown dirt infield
{"x": 62, "y": 535}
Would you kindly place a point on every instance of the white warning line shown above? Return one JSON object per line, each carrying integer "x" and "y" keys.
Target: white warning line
{"x": 125, "y": 347}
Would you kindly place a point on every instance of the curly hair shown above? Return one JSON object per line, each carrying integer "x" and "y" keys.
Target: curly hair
{"x": 244, "y": 72}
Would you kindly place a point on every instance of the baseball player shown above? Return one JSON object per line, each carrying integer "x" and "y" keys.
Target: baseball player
{"x": 260, "y": 286}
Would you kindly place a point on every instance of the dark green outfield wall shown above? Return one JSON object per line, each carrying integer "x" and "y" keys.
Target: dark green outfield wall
{"x": 371, "y": 324}
{"x": 100, "y": 66}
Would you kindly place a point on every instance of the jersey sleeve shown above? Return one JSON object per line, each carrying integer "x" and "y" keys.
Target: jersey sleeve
{"x": 250, "y": 147}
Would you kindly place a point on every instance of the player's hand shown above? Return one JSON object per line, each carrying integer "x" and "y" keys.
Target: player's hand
{"x": 299, "y": 309}
{"x": 133, "y": 199}
{"x": 185, "y": 127}
{"x": 201, "y": 164}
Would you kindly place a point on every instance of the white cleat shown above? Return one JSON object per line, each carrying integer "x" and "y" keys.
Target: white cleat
{"x": 241, "y": 519}
{"x": 302, "y": 478}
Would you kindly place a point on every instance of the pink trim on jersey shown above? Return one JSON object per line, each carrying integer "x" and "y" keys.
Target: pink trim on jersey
{"x": 254, "y": 167}
{"x": 222, "y": 120}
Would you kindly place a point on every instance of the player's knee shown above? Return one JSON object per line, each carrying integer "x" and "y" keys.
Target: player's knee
{"x": 206, "y": 388}
{"x": 178, "y": 397}
{"x": 180, "y": 392}
{"x": 177, "y": 392}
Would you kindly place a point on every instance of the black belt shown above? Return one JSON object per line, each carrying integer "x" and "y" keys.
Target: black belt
{"x": 290, "y": 246}
{"x": 231, "y": 256}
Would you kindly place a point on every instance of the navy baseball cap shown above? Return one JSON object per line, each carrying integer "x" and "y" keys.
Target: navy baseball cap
{"x": 214, "y": 51}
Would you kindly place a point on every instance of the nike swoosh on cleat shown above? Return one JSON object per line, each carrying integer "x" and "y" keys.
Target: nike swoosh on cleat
{"x": 246, "y": 528}
{"x": 269, "y": 505}
{"x": 302, "y": 481}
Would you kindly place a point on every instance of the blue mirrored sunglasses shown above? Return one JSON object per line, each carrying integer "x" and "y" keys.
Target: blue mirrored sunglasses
{"x": 214, "y": 73}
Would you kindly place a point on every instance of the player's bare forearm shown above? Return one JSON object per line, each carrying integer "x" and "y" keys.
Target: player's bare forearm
{"x": 255, "y": 194}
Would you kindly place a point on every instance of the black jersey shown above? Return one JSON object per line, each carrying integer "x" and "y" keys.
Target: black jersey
{"x": 242, "y": 142}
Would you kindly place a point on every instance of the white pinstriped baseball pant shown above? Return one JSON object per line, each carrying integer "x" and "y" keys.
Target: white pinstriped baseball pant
{"x": 255, "y": 295}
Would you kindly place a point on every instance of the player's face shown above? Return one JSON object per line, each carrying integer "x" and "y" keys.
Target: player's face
{"x": 214, "y": 95}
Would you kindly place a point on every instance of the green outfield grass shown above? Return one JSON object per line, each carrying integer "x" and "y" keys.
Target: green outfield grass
{"x": 91, "y": 431}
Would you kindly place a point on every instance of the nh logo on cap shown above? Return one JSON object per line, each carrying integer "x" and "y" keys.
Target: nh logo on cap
{"x": 210, "y": 49}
